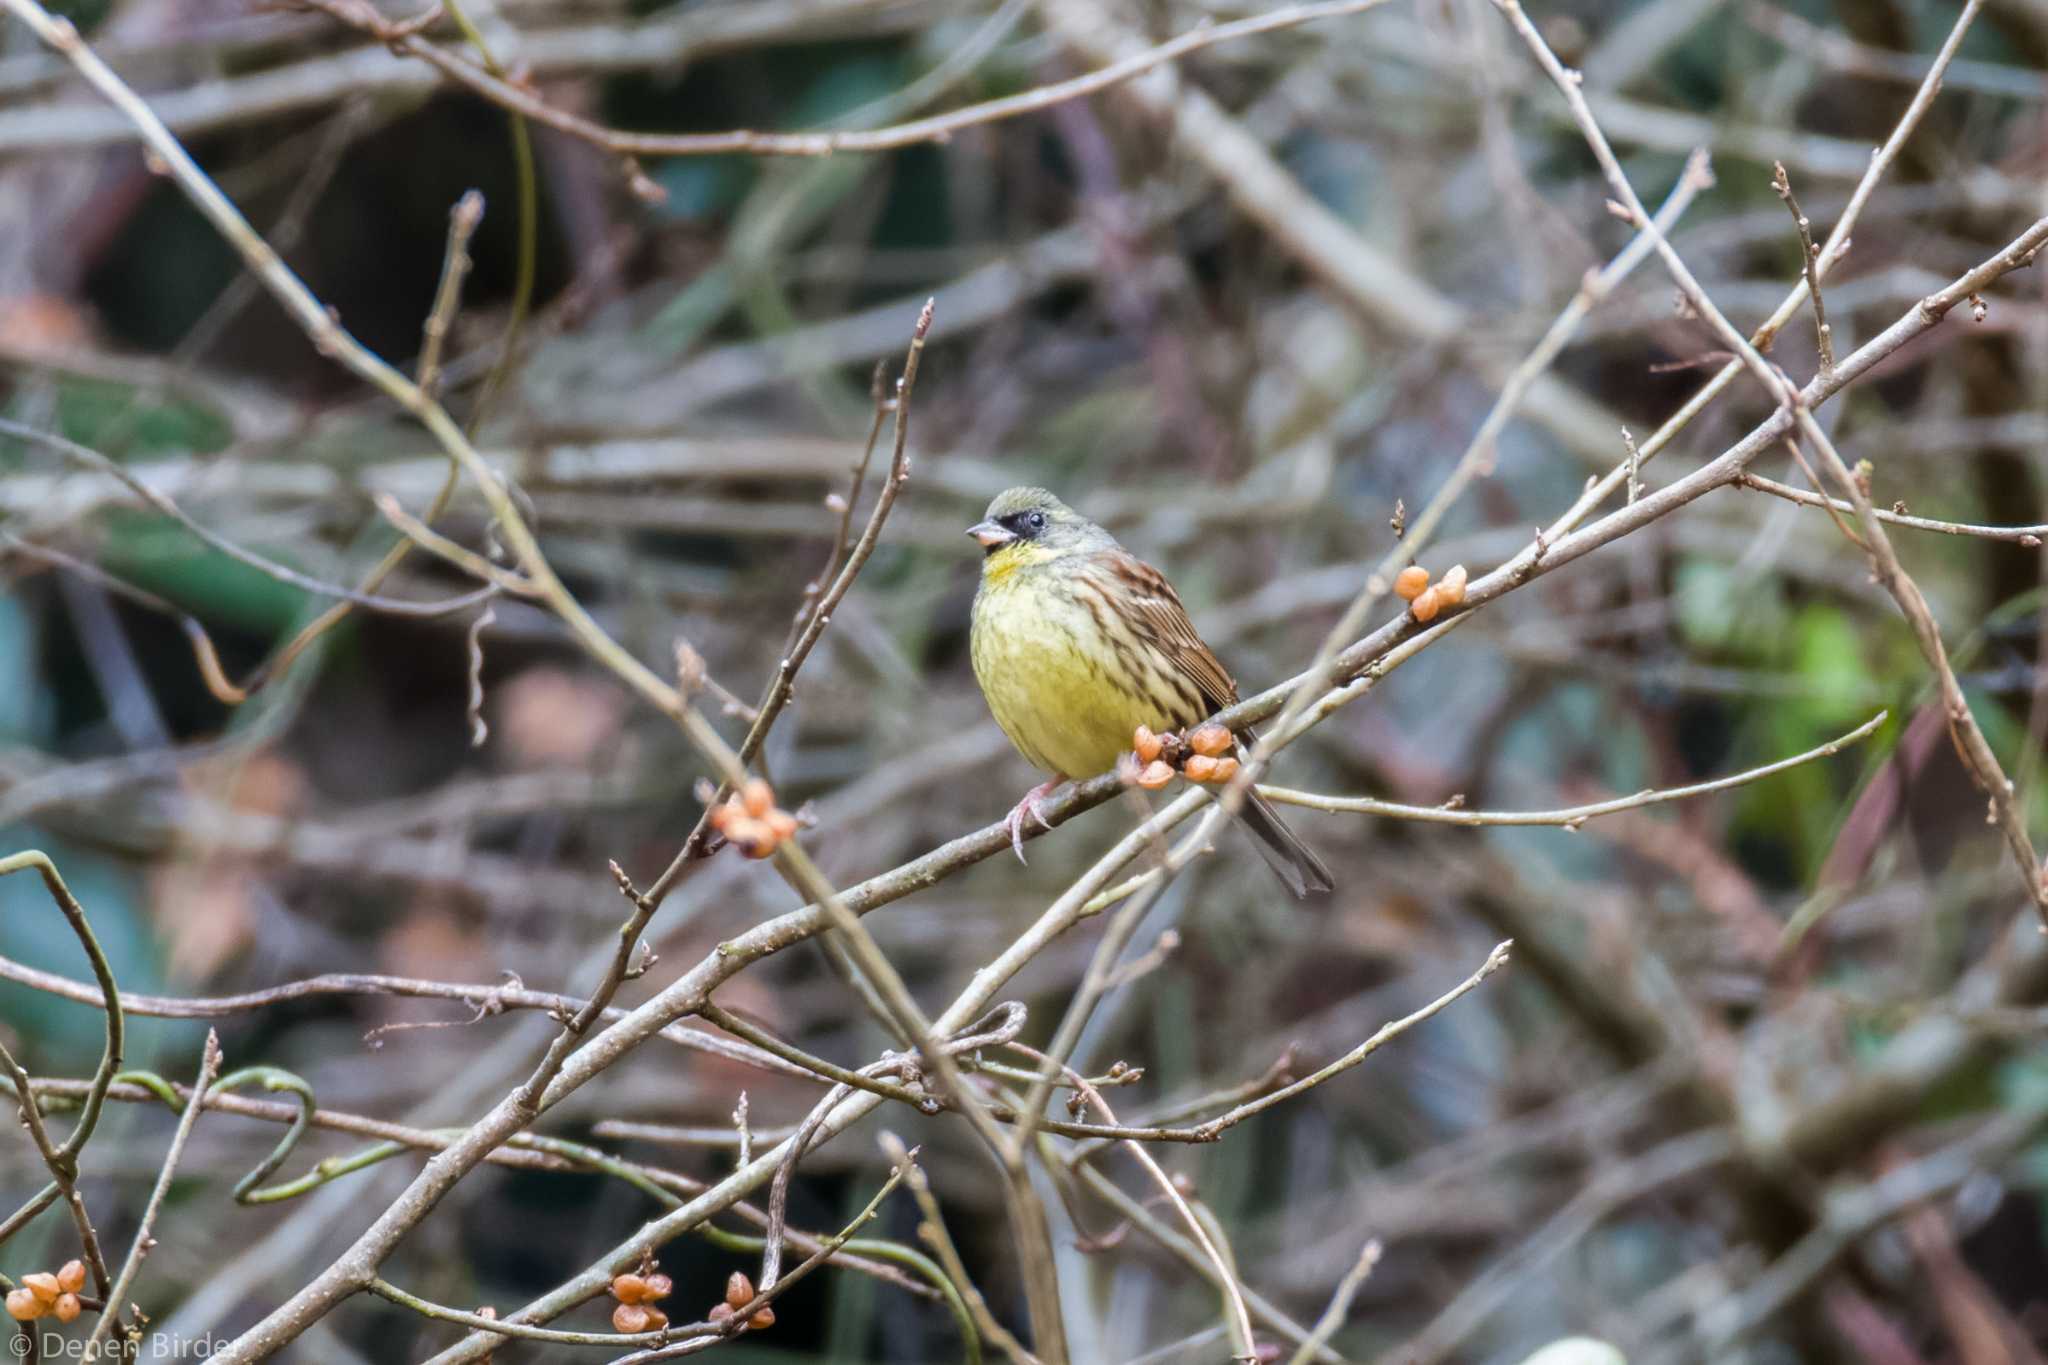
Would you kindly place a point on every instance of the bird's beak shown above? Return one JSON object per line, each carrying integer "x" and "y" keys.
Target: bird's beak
{"x": 991, "y": 535}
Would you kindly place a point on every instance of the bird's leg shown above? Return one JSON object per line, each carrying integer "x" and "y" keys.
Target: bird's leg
{"x": 1033, "y": 804}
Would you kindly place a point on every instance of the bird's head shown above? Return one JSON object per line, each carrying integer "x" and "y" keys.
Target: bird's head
{"x": 1031, "y": 526}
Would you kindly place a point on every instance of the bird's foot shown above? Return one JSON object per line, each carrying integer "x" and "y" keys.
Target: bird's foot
{"x": 1033, "y": 805}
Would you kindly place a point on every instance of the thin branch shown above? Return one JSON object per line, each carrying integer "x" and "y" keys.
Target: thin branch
{"x": 1100, "y": 975}
{"x": 520, "y": 1331}
{"x": 1217, "y": 1126}
{"x": 62, "y": 1159}
{"x": 2006, "y": 811}
{"x": 1477, "y": 459}
{"x": 1969, "y": 739}
{"x": 486, "y": 1000}
{"x": 1832, "y": 251}
{"x": 741, "y": 1316}
{"x": 932, "y": 1232}
{"x": 783, "y": 686}
{"x": 525, "y": 1151}
{"x": 204, "y": 655}
{"x": 1244, "y": 1347}
{"x": 938, "y": 128}
{"x": 92, "y": 459}
{"x": 463, "y": 221}
{"x": 1799, "y": 458}
{"x": 1571, "y": 817}
{"x": 1340, "y": 1304}
{"x": 433, "y": 542}
{"x": 1824, "y": 337}
{"x": 209, "y": 1067}
{"x": 2029, "y": 537}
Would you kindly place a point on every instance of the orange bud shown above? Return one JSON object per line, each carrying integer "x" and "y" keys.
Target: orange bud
{"x": 1209, "y": 739}
{"x": 1426, "y": 606}
{"x": 719, "y": 1312}
{"x": 67, "y": 1307}
{"x": 750, "y": 836}
{"x": 1226, "y": 768}
{"x": 23, "y": 1305}
{"x": 44, "y": 1286}
{"x": 629, "y": 1289}
{"x": 1145, "y": 744}
{"x": 629, "y": 1317}
{"x": 739, "y": 1290}
{"x": 720, "y": 815}
{"x": 656, "y": 1319}
{"x": 1200, "y": 768}
{"x": 780, "y": 823}
{"x": 71, "y": 1278}
{"x": 1410, "y": 582}
{"x": 758, "y": 797}
{"x": 1451, "y": 587}
{"x": 1155, "y": 774}
{"x": 659, "y": 1286}
{"x": 763, "y": 1319}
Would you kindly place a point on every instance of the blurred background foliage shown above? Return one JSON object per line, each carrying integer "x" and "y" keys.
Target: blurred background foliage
{"x": 1114, "y": 324}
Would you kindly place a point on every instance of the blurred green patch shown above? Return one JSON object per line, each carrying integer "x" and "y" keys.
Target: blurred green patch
{"x": 1844, "y": 672}
{"x": 121, "y": 420}
{"x": 161, "y": 557}
{"x": 63, "y": 1035}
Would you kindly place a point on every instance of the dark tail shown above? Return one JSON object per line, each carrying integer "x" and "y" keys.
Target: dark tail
{"x": 1292, "y": 861}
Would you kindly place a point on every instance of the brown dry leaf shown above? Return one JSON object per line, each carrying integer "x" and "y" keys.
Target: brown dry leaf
{"x": 435, "y": 942}
{"x": 549, "y": 716}
{"x": 42, "y": 322}
{"x": 205, "y": 914}
{"x": 268, "y": 783}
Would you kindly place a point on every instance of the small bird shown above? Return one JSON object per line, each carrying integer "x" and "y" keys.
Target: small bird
{"x": 1077, "y": 642}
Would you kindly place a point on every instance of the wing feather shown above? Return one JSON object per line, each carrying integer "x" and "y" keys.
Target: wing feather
{"x": 1156, "y": 615}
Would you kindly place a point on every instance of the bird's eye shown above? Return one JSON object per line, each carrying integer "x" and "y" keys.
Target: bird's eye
{"x": 1037, "y": 520}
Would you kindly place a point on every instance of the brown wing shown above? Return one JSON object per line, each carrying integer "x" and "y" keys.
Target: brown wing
{"x": 1159, "y": 618}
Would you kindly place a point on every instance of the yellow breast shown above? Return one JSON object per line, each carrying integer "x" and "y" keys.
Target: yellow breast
{"x": 1057, "y": 684}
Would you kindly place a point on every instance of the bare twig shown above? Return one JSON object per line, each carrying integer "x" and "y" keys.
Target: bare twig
{"x": 1832, "y": 251}
{"x": 1340, "y": 1303}
{"x": 2006, "y": 810}
{"x": 2029, "y": 537}
{"x": 1809, "y": 254}
{"x": 61, "y": 1159}
{"x": 92, "y": 459}
{"x": 932, "y": 1231}
{"x": 767, "y": 1294}
{"x": 1571, "y": 817}
{"x": 783, "y": 685}
{"x": 938, "y": 128}
{"x": 1215, "y": 1127}
{"x": 1477, "y": 458}
{"x": 209, "y": 1067}
{"x": 463, "y": 221}
{"x": 1969, "y": 739}
{"x": 1244, "y": 1348}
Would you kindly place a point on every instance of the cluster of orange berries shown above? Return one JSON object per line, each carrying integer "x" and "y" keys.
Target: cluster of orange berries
{"x": 1424, "y": 599}
{"x": 1203, "y": 755}
{"x": 636, "y": 1295}
{"x": 739, "y": 1292}
{"x": 42, "y": 1292}
{"x": 750, "y": 821}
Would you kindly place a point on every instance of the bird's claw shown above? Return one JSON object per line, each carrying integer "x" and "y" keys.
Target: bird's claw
{"x": 1033, "y": 805}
